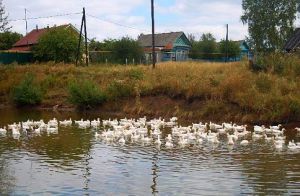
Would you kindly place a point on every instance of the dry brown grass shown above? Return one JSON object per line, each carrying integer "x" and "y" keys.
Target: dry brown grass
{"x": 271, "y": 97}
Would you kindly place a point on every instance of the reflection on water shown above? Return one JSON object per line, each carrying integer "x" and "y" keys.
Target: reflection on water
{"x": 74, "y": 162}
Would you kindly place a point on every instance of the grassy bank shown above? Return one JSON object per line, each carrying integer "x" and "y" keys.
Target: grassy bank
{"x": 192, "y": 90}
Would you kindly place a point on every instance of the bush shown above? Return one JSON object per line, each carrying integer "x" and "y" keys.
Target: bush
{"x": 294, "y": 107}
{"x": 85, "y": 94}
{"x": 263, "y": 83}
{"x": 118, "y": 89}
{"x": 27, "y": 93}
{"x": 136, "y": 74}
{"x": 258, "y": 64}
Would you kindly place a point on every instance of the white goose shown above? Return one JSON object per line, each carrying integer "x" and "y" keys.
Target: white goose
{"x": 169, "y": 144}
{"x": 3, "y": 131}
{"x": 244, "y": 142}
{"x": 158, "y": 142}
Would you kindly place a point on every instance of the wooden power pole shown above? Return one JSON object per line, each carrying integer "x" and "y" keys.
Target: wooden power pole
{"x": 153, "y": 35}
{"x": 83, "y": 25}
{"x": 226, "y": 43}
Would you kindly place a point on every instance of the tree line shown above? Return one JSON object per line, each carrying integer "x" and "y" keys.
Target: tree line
{"x": 208, "y": 48}
{"x": 270, "y": 24}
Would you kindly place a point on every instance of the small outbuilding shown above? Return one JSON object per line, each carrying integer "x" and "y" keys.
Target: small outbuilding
{"x": 293, "y": 43}
{"x": 174, "y": 46}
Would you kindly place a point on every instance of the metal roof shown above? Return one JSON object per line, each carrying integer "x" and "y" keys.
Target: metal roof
{"x": 161, "y": 40}
{"x": 293, "y": 42}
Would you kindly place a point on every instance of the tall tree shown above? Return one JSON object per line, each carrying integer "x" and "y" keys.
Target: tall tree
{"x": 205, "y": 48}
{"x": 58, "y": 44}
{"x": 270, "y": 23}
{"x": 232, "y": 47}
{"x": 3, "y": 19}
{"x": 8, "y": 39}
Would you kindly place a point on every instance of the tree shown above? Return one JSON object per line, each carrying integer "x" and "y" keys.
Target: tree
{"x": 3, "y": 19}
{"x": 205, "y": 47}
{"x": 58, "y": 44}
{"x": 270, "y": 23}
{"x": 233, "y": 48}
{"x": 8, "y": 39}
{"x": 126, "y": 48}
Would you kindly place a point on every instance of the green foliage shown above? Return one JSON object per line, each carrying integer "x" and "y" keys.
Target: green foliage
{"x": 27, "y": 92}
{"x": 270, "y": 23}
{"x": 263, "y": 83}
{"x": 205, "y": 47}
{"x": 85, "y": 94}
{"x": 233, "y": 48}
{"x": 116, "y": 51}
{"x": 294, "y": 107}
{"x": 58, "y": 44}
{"x": 136, "y": 74}
{"x": 119, "y": 89}
{"x": 8, "y": 39}
{"x": 3, "y": 19}
{"x": 258, "y": 64}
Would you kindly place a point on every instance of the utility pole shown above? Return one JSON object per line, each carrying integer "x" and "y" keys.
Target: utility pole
{"x": 153, "y": 35}
{"x": 226, "y": 43}
{"x": 86, "y": 44}
{"x": 83, "y": 25}
{"x": 26, "y": 21}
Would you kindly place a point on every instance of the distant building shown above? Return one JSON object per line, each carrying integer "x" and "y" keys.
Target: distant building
{"x": 31, "y": 39}
{"x": 293, "y": 42}
{"x": 173, "y": 46}
{"x": 245, "y": 50}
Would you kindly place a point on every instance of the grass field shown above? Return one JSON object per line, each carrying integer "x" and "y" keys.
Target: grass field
{"x": 207, "y": 89}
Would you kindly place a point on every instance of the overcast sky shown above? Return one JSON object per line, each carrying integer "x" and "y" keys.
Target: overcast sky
{"x": 110, "y": 18}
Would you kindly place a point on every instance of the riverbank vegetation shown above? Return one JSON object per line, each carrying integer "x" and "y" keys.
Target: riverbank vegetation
{"x": 239, "y": 91}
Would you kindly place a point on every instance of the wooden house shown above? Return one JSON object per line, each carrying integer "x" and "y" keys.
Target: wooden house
{"x": 293, "y": 43}
{"x": 245, "y": 50}
{"x": 173, "y": 46}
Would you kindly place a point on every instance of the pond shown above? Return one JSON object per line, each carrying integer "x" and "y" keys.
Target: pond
{"x": 74, "y": 162}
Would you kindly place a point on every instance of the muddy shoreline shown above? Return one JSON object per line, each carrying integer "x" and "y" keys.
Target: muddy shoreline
{"x": 162, "y": 106}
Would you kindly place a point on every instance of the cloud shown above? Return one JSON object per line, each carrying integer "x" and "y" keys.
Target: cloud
{"x": 190, "y": 16}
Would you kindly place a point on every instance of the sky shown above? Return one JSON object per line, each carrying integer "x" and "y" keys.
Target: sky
{"x": 118, "y": 18}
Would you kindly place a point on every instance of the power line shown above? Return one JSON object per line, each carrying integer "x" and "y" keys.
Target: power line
{"x": 43, "y": 17}
{"x": 119, "y": 24}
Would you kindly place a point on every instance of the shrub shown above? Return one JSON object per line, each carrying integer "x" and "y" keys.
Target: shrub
{"x": 85, "y": 94}
{"x": 263, "y": 83}
{"x": 27, "y": 93}
{"x": 118, "y": 89}
{"x": 258, "y": 64}
{"x": 136, "y": 74}
{"x": 294, "y": 107}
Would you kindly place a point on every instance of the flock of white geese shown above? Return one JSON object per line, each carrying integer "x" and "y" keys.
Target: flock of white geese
{"x": 150, "y": 132}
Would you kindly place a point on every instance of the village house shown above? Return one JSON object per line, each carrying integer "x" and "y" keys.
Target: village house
{"x": 245, "y": 50}
{"x": 26, "y": 43}
{"x": 173, "y": 46}
{"x": 293, "y": 42}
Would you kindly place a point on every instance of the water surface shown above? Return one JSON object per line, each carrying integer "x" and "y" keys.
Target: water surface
{"x": 73, "y": 162}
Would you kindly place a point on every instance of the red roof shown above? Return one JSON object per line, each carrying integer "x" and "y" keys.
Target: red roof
{"x": 32, "y": 37}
